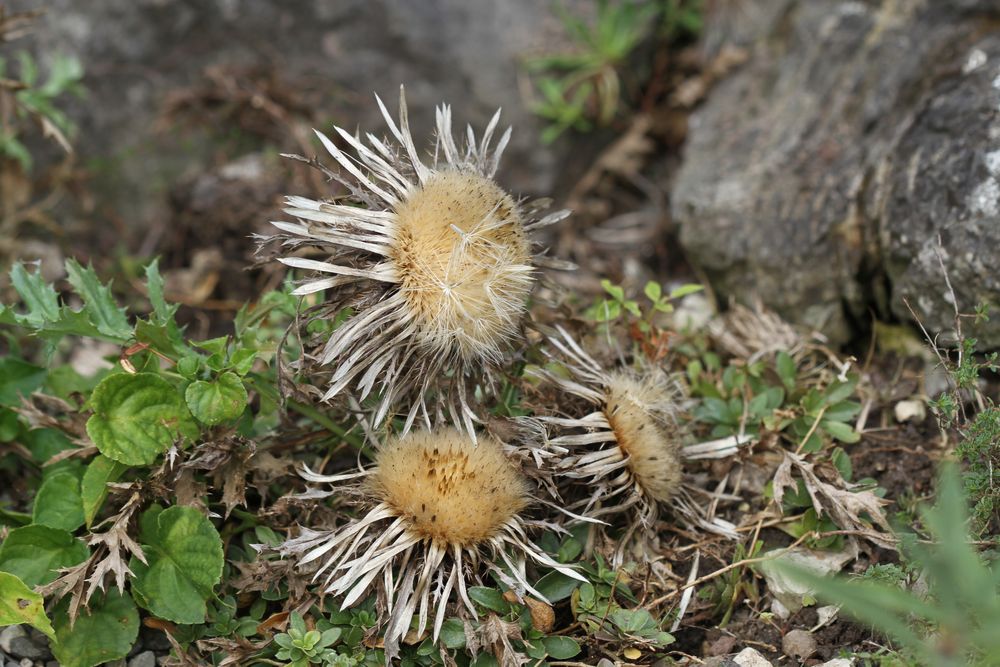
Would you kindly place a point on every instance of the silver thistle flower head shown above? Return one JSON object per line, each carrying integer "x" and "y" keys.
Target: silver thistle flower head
{"x": 442, "y": 509}
{"x": 627, "y": 450}
{"x": 433, "y": 257}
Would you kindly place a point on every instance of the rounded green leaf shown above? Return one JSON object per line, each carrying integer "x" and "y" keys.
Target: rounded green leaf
{"x": 104, "y": 634}
{"x": 19, "y": 604}
{"x": 58, "y": 503}
{"x": 560, "y": 648}
{"x": 36, "y": 553}
{"x": 137, "y": 417}
{"x": 184, "y": 563}
{"x": 217, "y": 401}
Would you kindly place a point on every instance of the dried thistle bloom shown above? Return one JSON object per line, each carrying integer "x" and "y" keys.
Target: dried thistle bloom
{"x": 627, "y": 451}
{"x": 434, "y": 259}
{"x": 442, "y": 509}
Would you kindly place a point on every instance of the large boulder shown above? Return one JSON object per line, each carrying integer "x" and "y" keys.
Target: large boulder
{"x": 821, "y": 176}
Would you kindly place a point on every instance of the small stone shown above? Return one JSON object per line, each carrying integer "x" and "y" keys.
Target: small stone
{"x": 749, "y": 657}
{"x": 910, "y": 410}
{"x": 24, "y": 647}
{"x": 8, "y": 634}
{"x": 144, "y": 659}
{"x": 798, "y": 644}
{"x": 26, "y": 662}
{"x": 838, "y": 662}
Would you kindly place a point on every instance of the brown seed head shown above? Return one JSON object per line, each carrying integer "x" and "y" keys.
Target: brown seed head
{"x": 654, "y": 454}
{"x": 451, "y": 490}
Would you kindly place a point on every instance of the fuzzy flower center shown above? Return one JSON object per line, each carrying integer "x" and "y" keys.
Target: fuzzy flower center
{"x": 653, "y": 454}
{"x": 450, "y": 490}
{"x": 463, "y": 260}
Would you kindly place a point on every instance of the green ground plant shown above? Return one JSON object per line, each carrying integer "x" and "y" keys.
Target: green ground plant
{"x": 955, "y": 621}
{"x": 582, "y": 89}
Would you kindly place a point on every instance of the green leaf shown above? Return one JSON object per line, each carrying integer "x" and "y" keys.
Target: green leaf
{"x": 137, "y": 417}
{"x": 36, "y": 553}
{"x": 842, "y": 462}
{"x": 18, "y": 378}
{"x": 684, "y": 290}
{"x": 94, "y": 485}
{"x": 453, "y": 633}
{"x": 58, "y": 503}
{"x": 104, "y": 634}
{"x": 184, "y": 554}
{"x": 19, "y": 604}
{"x": 556, "y": 586}
{"x": 653, "y": 291}
{"x": 98, "y": 302}
{"x": 841, "y": 431}
{"x": 785, "y": 366}
{"x": 837, "y": 392}
{"x": 490, "y": 598}
{"x": 217, "y": 401}
{"x": 40, "y": 298}
{"x": 560, "y": 648}
{"x": 162, "y": 311}
{"x": 614, "y": 290}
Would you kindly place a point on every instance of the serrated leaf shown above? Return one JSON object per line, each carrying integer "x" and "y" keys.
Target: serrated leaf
{"x": 40, "y": 298}
{"x": 137, "y": 417}
{"x": 560, "y": 648}
{"x": 98, "y": 302}
{"x": 162, "y": 311}
{"x": 36, "y": 553}
{"x": 58, "y": 503}
{"x": 19, "y": 604}
{"x": 94, "y": 485}
{"x": 105, "y": 633}
{"x": 216, "y": 401}
{"x": 18, "y": 379}
{"x": 184, "y": 563}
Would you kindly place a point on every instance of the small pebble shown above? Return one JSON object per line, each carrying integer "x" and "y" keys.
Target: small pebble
{"x": 749, "y": 657}
{"x": 838, "y": 662}
{"x": 8, "y": 634}
{"x": 144, "y": 659}
{"x": 798, "y": 644}
{"x": 25, "y": 647}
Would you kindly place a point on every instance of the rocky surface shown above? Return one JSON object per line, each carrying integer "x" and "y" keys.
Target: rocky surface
{"x": 316, "y": 58}
{"x": 822, "y": 174}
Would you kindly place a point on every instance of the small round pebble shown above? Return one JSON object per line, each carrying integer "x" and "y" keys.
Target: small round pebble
{"x": 798, "y": 644}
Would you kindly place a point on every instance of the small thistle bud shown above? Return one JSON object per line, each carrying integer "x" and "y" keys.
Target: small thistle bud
{"x": 443, "y": 511}
{"x": 435, "y": 261}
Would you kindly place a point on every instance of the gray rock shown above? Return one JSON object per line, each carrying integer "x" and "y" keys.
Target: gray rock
{"x": 820, "y": 176}
{"x": 144, "y": 659}
{"x": 9, "y": 634}
{"x": 332, "y": 54}
{"x": 798, "y": 644}
{"x": 26, "y": 647}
